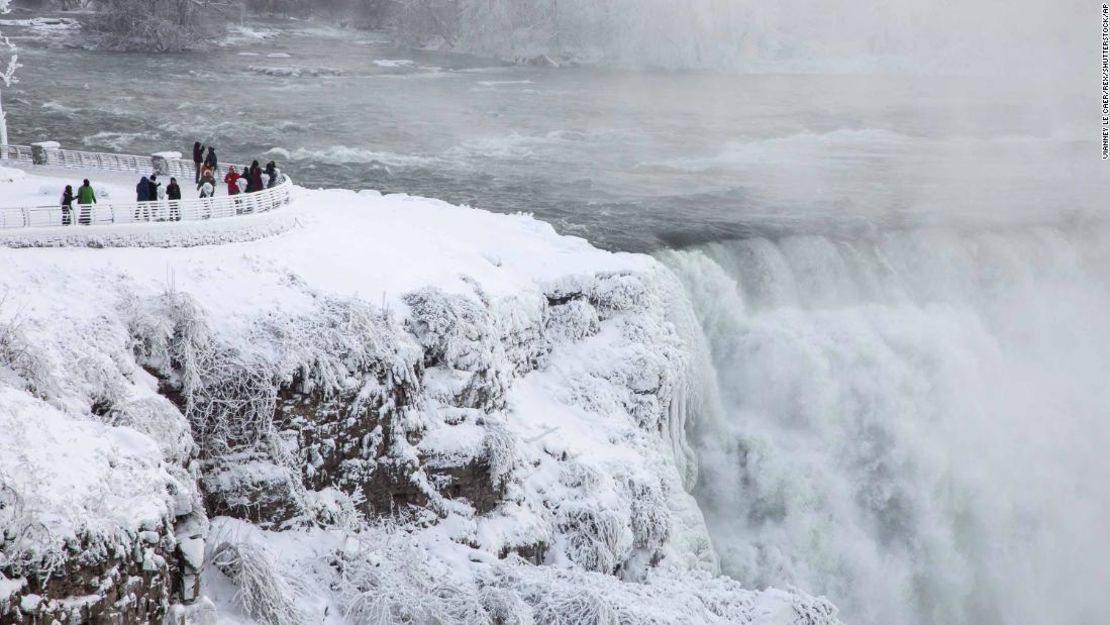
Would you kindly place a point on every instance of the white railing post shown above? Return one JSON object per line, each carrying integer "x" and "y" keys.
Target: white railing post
{"x": 43, "y": 150}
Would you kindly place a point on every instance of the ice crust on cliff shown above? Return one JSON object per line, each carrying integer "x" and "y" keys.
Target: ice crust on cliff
{"x": 562, "y": 369}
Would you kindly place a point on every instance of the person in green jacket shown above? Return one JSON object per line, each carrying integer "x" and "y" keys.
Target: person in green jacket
{"x": 86, "y": 197}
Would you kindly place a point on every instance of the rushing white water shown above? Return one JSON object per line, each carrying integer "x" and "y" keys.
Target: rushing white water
{"x": 914, "y": 424}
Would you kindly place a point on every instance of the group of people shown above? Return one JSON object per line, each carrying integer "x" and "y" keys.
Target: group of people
{"x": 85, "y": 198}
{"x": 150, "y": 190}
{"x": 249, "y": 180}
{"x": 252, "y": 179}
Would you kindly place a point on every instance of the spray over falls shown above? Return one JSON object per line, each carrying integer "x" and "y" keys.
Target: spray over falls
{"x": 912, "y": 423}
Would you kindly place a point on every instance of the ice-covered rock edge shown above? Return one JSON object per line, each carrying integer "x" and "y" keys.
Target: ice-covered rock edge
{"x": 501, "y": 423}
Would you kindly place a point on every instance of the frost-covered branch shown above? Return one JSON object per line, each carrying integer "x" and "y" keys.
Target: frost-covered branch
{"x": 262, "y": 590}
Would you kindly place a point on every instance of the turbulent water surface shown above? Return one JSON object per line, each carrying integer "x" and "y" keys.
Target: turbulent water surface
{"x": 631, "y": 160}
{"x": 902, "y": 279}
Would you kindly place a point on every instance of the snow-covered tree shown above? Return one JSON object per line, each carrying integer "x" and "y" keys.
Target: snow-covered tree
{"x": 157, "y": 25}
{"x": 7, "y": 74}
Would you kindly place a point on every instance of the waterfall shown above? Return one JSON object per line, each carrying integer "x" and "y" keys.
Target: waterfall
{"x": 913, "y": 423}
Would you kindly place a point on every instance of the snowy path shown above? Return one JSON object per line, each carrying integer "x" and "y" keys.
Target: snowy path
{"x": 42, "y": 186}
{"x": 109, "y": 185}
{"x": 31, "y": 215}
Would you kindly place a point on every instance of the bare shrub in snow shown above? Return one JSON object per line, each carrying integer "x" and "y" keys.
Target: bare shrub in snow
{"x": 385, "y": 577}
{"x": 171, "y": 336}
{"x": 594, "y": 538}
{"x": 499, "y": 450}
{"x": 519, "y": 323}
{"x": 379, "y": 590}
{"x": 19, "y": 533}
{"x": 336, "y": 347}
{"x": 23, "y": 360}
{"x": 520, "y": 27}
{"x": 228, "y": 394}
{"x": 156, "y": 25}
{"x": 615, "y": 293}
{"x": 458, "y": 333}
{"x": 337, "y": 509}
{"x": 262, "y": 590}
{"x": 452, "y": 328}
{"x": 579, "y": 476}
{"x": 505, "y": 607}
{"x": 651, "y": 518}
{"x": 585, "y": 607}
{"x": 160, "y": 420}
{"x": 571, "y": 322}
{"x": 426, "y": 22}
{"x": 234, "y": 405}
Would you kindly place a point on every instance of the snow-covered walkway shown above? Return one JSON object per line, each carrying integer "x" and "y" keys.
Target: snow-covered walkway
{"x": 31, "y": 212}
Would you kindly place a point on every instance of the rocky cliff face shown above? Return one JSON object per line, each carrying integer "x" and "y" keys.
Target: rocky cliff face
{"x": 384, "y": 418}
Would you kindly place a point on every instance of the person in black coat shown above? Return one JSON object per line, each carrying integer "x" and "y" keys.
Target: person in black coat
{"x": 271, "y": 174}
{"x": 152, "y": 193}
{"x": 211, "y": 161}
{"x": 173, "y": 194}
{"x": 67, "y": 205}
{"x": 142, "y": 190}
{"x": 254, "y": 180}
{"x": 142, "y": 193}
{"x": 198, "y": 157}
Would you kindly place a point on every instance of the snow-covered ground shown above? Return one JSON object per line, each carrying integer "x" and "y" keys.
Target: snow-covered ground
{"x": 559, "y": 370}
{"x": 45, "y": 186}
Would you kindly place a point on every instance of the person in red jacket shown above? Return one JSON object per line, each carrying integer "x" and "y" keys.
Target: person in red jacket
{"x": 232, "y": 181}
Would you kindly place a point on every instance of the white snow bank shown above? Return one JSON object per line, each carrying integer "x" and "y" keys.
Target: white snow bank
{"x": 72, "y": 476}
{"x": 391, "y": 576}
{"x": 377, "y": 247}
{"x": 9, "y": 175}
{"x": 43, "y": 186}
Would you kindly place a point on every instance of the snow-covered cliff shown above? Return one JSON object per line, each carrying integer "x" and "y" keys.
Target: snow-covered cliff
{"x": 397, "y": 410}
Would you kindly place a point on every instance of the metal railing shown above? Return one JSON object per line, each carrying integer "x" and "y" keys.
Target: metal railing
{"x": 81, "y": 159}
{"x": 17, "y": 153}
{"x": 103, "y": 213}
